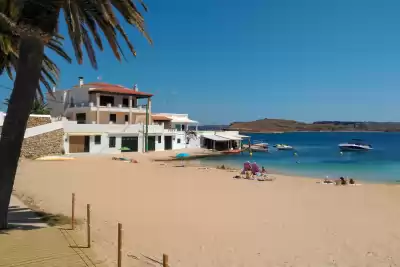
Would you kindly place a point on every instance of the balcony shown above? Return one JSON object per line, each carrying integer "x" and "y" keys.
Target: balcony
{"x": 111, "y": 108}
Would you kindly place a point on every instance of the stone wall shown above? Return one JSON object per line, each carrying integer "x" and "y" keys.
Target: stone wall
{"x": 46, "y": 144}
{"x": 34, "y": 121}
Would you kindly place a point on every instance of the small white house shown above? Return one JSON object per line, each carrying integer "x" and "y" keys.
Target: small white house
{"x": 109, "y": 139}
{"x": 103, "y": 118}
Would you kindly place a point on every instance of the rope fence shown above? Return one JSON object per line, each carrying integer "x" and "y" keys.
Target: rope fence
{"x": 118, "y": 230}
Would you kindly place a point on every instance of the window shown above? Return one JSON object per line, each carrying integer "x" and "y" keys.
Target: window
{"x": 126, "y": 118}
{"x": 159, "y": 139}
{"x": 113, "y": 118}
{"x": 178, "y": 141}
{"x": 81, "y": 118}
{"x": 97, "y": 139}
{"x": 111, "y": 141}
{"x": 125, "y": 102}
{"x": 104, "y": 100}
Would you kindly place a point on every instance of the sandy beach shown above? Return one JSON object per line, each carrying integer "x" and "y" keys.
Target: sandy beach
{"x": 204, "y": 217}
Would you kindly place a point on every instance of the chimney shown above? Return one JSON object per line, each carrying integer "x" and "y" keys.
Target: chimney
{"x": 80, "y": 81}
{"x": 54, "y": 89}
{"x": 135, "y": 88}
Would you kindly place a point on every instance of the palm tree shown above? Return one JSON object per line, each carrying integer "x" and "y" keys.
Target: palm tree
{"x": 36, "y": 24}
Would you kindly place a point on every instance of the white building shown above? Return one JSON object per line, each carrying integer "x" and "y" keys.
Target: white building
{"x": 103, "y": 118}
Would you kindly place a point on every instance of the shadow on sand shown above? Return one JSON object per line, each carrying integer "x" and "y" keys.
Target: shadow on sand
{"x": 21, "y": 218}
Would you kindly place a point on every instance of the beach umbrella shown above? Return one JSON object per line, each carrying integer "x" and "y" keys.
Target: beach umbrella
{"x": 124, "y": 148}
{"x": 182, "y": 156}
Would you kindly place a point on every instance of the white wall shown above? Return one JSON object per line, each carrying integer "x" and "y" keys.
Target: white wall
{"x": 179, "y": 136}
{"x": 73, "y": 127}
{"x": 194, "y": 142}
{"x": 55, "y": 103}
{"x": 106, "y": 130}
{"x": 160, "y": 146}
{"x": 62, "y": 98}
{"x": 103, "y": 147}
{"x": 41, "y": 129}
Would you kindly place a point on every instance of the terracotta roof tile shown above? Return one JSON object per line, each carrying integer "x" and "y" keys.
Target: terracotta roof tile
{"x": 113, "y": 88}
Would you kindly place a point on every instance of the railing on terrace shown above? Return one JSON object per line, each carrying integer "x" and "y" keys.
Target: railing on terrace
{"x": 73, "y": 127}
{"x": 91, "y": 104}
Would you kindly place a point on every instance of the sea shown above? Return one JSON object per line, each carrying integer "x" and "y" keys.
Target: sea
{"x": 317, "y": 155}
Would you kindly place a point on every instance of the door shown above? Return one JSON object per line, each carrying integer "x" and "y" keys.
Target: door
{"x": 167, "y": 142}
{"x": 151, "y": 140}
{"x": 130, "y": 142}
{"x": 86, "y": 147}
{"x": 76, "y": 144}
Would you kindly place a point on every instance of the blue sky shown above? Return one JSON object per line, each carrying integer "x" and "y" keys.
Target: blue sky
{"x": 223, "y": 61}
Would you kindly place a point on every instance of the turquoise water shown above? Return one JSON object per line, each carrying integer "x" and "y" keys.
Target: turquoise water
{"x": 318, "y": 156}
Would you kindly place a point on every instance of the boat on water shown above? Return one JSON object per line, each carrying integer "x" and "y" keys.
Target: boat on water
{"x": 355, "y": 145}
{"x": 257, "y": 147}
{"x": 232, "y": 151}
{"x": 283, "y": 147}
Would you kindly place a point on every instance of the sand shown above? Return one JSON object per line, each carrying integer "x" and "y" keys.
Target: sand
{"x": 204, "y": 217}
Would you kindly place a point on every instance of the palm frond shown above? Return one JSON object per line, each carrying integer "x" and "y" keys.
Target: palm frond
{"x": 90, "y": 16}
{"x": 9, "y": 45}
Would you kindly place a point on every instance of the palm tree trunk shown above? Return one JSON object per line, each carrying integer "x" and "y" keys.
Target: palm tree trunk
{"x": 21, "y": 101}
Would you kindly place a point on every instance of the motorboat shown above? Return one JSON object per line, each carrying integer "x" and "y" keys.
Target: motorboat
{"x": 283, "y": 147}
{"x": 258, "y": 147}
{"x": 355, "y": 145}
{"x": 232, "y": 151}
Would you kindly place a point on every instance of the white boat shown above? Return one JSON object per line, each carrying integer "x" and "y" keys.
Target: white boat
{"x": 259, "y": 147}
{"x": 283, "y": 147}
{"x": 355, "y": 145}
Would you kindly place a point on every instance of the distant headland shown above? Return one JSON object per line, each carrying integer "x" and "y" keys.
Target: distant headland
{"x": 279, "y": 125}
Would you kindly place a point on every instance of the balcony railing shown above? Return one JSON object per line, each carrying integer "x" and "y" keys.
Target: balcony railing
{"x": 91, "y": 104}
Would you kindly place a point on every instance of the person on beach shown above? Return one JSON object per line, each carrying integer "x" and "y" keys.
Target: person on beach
{"x": 351, "y": 181}
{"x": 342, "y": 181}
{"x": 249, "y": 175}
{"x": 263, "y": 170}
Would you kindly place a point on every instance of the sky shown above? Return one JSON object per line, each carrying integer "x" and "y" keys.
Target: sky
{"x": 228, "y": 60}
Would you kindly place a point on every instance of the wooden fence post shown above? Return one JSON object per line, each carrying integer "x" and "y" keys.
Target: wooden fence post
{"x": 88, "y": 225}
{"x": 119, "y": 244}
{"x": 165, "y": 260}
{"x": 73, "y": 212}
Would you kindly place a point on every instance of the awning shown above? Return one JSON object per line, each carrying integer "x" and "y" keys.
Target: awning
{"x": 83, "y": 134}
{"x": 160, "y": 118}
{"x": 215, "y": 137}
{"x": 183, "y": 120}
{"x": 230, "y": 137}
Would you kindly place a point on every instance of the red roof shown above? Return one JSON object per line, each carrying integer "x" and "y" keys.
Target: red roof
{"x": 115, "y": 89}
